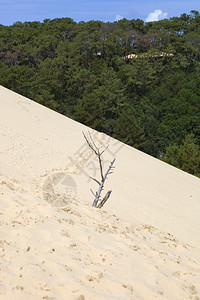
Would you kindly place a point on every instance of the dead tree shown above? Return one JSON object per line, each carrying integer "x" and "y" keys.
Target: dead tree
{"x": 98, "y": 202}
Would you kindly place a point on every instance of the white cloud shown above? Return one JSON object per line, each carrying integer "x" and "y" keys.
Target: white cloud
{"x": 118, "y": 17}
{"x": 157, "y": 15}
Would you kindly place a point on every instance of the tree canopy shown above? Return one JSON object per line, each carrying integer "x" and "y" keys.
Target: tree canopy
{"x": 138, "y": 82}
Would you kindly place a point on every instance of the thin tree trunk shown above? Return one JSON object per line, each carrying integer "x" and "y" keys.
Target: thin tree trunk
{"x": 97, "y": 152}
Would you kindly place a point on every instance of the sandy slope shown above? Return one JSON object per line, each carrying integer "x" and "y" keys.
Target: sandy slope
{"x": 144, "y": 243}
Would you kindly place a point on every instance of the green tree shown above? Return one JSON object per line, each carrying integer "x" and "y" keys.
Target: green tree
{"x": 186, "y": 156}
{"x": 82, "y": 70}
{"x": 128, "y": 128}
{"x": 103, "y": 99}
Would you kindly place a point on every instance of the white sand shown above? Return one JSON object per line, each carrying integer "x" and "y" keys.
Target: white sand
{"x": 143, "y": 244}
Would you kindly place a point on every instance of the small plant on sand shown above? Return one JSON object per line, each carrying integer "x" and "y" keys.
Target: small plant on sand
{"x": 98, "y": 202}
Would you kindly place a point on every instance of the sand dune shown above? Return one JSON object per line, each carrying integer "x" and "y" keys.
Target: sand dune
{"x": 143, "y": 244}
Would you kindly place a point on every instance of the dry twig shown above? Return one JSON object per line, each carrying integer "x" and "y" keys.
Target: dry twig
{"x": 97, "y": 201}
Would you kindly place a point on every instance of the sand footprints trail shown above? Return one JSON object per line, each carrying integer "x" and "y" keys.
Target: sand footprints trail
{"x": 85, "y": 249}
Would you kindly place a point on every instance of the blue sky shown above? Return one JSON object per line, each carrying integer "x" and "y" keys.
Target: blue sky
{"x": 85, "y": 10}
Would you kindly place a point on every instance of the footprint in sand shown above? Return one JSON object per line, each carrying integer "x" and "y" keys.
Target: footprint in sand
{"x": 192, "y": 291}
{"x": 81, "y": 297}
{"x": 128, "y": 286}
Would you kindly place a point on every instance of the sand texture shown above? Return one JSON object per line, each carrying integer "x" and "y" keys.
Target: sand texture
{"x": 143, "y": 244}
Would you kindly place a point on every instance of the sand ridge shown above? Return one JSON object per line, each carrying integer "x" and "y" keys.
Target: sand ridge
{"x": 143, "y": 244}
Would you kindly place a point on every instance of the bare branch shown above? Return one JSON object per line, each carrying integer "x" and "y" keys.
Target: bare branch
{"x": 100, "y": 166}
{"x": 98, "y": 194}
{"x": 91, "y": 143}
{"x": 97, "y": 152}
{"x": 95, "y": 180}
{"x": 104, "y": 150}
{"x": 92, "y": 192}
{"x": 104, "y": 199}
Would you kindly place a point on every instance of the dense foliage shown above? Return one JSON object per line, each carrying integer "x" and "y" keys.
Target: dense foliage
{"x": 150, "y": 100}
{"x": 186, "y": 156}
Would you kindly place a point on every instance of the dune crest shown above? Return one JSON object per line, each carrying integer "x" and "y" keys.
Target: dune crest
{"x": 143, "y": 244}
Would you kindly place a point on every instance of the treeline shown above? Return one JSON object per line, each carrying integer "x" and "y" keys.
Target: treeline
{"x": 149, "y": 100}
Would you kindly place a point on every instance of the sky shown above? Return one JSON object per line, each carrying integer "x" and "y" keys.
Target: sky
{"x": 12, "y": 11}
